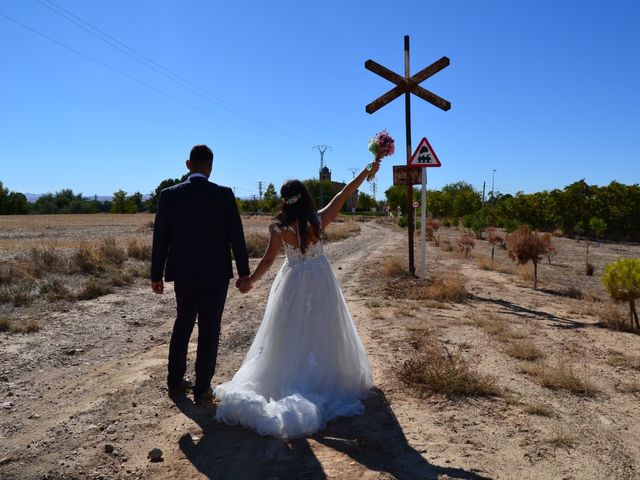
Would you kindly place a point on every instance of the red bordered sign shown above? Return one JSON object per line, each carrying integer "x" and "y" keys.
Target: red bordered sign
{"x": 424, "y": 156}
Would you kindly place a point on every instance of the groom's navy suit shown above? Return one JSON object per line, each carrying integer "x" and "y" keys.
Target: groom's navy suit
{"x": 197, "y": 226}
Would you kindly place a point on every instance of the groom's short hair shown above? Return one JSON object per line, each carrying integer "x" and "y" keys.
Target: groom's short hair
{"x": 201, "y": 156}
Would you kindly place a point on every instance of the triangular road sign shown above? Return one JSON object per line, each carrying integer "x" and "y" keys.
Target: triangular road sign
{"x": 424, "y": 156}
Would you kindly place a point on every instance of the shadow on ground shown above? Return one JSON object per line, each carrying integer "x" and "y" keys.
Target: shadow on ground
{"x": 374, "y": 440}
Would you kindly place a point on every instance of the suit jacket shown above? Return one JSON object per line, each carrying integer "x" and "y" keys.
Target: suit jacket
{"x": 197, "y": 225}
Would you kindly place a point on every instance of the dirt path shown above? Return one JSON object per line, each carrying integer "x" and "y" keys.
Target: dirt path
{"x": 93, "y": 379}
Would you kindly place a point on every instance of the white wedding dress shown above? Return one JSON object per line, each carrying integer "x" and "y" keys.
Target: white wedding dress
{"x": 307, "y": 364}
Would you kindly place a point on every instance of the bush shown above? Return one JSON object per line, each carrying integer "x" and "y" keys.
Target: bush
{"x": 110, "y": 253}
{"x": 622, "y": 280}
{"x": 138, "y": 250}
{"x": 437, "y": 370}
{"x": 466, "y": 244}
{"x": 84, "y": 261}
{"x": 94, "y": 289}
{"x": 525, "y": 245}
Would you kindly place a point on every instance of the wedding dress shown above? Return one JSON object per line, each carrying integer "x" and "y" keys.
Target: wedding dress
{"x": 306, "y": 365}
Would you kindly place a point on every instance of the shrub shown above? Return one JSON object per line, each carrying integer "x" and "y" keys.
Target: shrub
{"x": 46, "y": 259}
{"x": 93, "y": 289}
{"x": 138, "y": 250}
{"x": 551, "y": 249}
{"x": 466, "y": 244}
{"x": 524, "y": 350}
{"x": 525, "y": 245}
{"x": 494, "y": 238}
{"x": 437, "y": 370}
{"x": 110, "y": 253}
{"x": 393, "y": 267}
{"x": 55, "y": 290}
{"x": 450, "y": 288}
{"x": 84, "y": 260}
{"x": 622, "y": 280}
{"x": 432, "y": 226}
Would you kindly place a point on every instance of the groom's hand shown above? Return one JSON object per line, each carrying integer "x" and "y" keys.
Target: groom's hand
{"x": 157, "y": 287}
{"x": 244, "y": 284}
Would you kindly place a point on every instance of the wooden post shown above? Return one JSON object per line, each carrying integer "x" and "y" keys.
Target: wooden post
{"x": 407, "y": 116}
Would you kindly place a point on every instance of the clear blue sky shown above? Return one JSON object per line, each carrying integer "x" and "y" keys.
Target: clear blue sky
{"x": 544, "y": 92}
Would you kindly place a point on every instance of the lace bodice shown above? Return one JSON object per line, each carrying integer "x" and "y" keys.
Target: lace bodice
{"x": 293, "y": 253}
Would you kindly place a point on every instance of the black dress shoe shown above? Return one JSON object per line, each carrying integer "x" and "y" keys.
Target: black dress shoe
{"x": 204, "y": 397}
{"x": 181, "y": 387}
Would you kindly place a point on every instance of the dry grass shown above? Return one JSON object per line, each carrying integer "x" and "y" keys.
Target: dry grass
{"x": 341, "y": 230}
{"x": 256, "y": 244}
{"x": 94, "y": 288}
{"x": 54, "y": 290}
{"x": 559, "y": 376}
{"x": 561, "y": 440}
{"x": 540, "y": 409}
{"x": 628, "y": 387}
{"x": 498, "y": 327}
{"x": 524, "y": 350}
{"x": 394, "y": 267}
{"x": 23, "y": 326}
{"x": 485, "y": 263}
{"x": 437, "y": 370}
{"x": 110, "y": 253}
{"x": 525, "y": 272}
{"x": 450, "y": 288}
{"x": 139, "y": 250}
{"x": 621, "y": 359}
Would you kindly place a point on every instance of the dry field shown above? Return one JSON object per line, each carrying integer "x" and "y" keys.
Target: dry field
{"x": 478, "y": 376}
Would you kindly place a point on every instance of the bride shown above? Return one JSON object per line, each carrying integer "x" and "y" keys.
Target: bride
{"x": 307, "y": 364}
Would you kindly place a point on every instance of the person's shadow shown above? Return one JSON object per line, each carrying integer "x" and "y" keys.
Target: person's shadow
{"x": 374, "y": 440}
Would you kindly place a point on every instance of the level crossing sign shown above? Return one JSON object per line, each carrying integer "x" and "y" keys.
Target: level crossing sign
{"x": 424, "y": 156}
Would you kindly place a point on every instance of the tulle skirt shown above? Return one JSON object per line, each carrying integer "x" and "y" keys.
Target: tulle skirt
{"x": 306, "y": 365}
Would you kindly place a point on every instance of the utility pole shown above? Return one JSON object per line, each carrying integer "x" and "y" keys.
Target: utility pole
{"x": 260, "y": 189}
{"x": 321, "y": 149}
{"x": 493, "y": 174}
{"x": 373, "y": 189}
{"x": 353, "y": 171}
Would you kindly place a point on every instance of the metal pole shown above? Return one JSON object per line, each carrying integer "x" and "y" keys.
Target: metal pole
{"x": 407, "y": 113}
{"x": 423, "y": 224}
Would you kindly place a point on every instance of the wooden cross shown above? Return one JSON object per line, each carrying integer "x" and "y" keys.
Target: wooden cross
{"x": 408, "y": 85}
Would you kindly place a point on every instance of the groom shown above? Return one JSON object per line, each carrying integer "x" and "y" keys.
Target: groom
{"x": 197, "y": 225}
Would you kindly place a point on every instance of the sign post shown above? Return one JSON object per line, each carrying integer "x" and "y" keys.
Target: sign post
{"x": 424, "y": 156}
{"x": 408, "y": 84}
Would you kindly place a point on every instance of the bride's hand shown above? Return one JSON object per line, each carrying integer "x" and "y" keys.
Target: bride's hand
{"x": 373, "y": 168}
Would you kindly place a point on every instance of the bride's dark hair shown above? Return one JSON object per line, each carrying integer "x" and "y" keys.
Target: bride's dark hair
{"x": 297, "y": 205}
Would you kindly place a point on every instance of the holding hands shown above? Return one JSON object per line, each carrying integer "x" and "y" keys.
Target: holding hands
{"x": 244, "y": 284}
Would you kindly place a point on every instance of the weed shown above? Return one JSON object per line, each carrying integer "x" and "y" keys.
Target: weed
{"x": 138, "y": 250}
{"x": 94, "y": 288}
{"x": 540, "y": 409}
{"x": 560, "y": 376}
{"x": 524, "y": 350}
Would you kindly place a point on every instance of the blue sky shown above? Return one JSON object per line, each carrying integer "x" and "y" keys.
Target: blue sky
{"x": 544, "y": 92}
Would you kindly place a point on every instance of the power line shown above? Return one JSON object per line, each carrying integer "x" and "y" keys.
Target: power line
{"x": 152, "y": 64}
{"x": 141, "y": 82}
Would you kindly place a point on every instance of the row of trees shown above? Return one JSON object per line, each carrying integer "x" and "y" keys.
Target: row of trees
{"x": 612, "y": 211}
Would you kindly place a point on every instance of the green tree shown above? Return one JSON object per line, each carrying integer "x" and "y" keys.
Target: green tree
{"x": 328, "y": 190}
{"x": 16, "y": 204}
{"x": 622, "y": 280}
{"x": 365, "y": 202}
{"x": 598, "y": 226}
{"x": 270, "y": 199}
{"x": 119, "y": 202}
{"x": 397, "y": 195}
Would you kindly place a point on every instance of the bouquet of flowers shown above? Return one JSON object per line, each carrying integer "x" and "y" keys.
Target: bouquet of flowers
{"x": 381, "y": 145}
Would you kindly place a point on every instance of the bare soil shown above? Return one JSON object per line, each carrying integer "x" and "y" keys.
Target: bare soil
{"x": 94, "y": 376}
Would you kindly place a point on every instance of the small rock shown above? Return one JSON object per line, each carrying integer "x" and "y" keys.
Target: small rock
{"x": 108, "y": 448}
{"x": 155, "y": 455}
{"x": 111, "y": 429}
{"x": 6, "y": 405}
{"x": 34, "y": 416}
{"x": 5, "y": 460}
{"x": 134, "y": 404}
{"x": 115, "y": 453}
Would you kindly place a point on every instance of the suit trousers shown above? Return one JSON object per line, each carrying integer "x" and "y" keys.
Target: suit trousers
{"x": 205, "y": 301}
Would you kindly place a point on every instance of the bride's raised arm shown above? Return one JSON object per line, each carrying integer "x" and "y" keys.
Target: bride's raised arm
{"x": 330, "y": 212}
